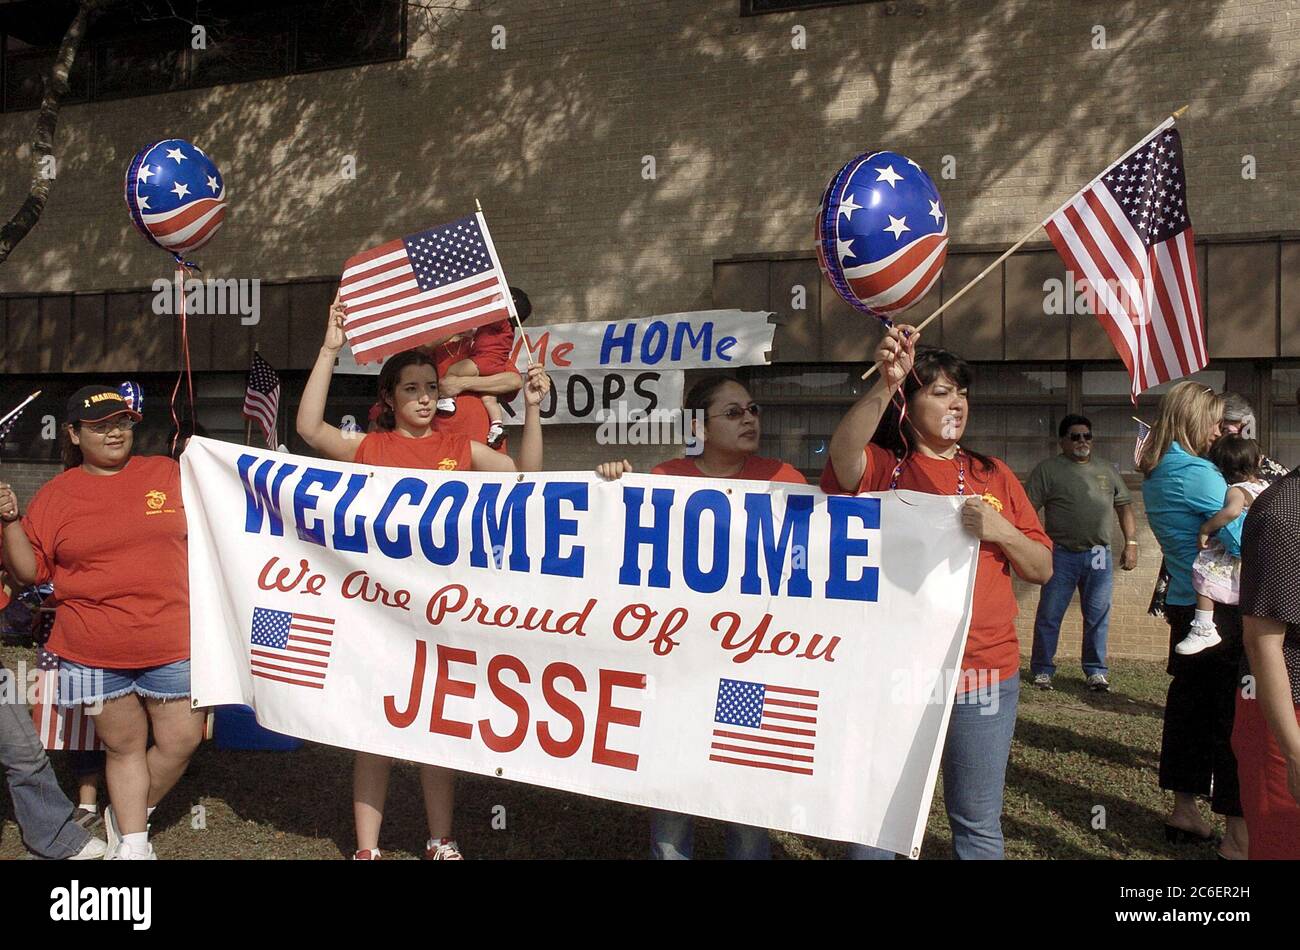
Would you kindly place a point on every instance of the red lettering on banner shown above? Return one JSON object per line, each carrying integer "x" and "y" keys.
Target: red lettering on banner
{"x": 282, "y": 583}
{"x": 508, "y": 697}
{"x": 357, "y": 584}
{"x": 755, "y": 642}
{"x": 403, "y": 719}
{"x": 446, "y": 686}
{"x": 440, "y": 603}
{"x": 565, "y": 707}
{"x": 607, "y": 713}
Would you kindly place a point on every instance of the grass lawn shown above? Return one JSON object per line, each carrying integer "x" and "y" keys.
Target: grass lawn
{"x": 1074, "y": 751}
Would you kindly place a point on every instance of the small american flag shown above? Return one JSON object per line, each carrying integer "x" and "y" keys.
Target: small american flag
{"x": 291, "y": 647}
{"x": 60, "y": 728}
{"x": 419, "y": 288}
{"x": 1129, "y": 234}
{"x": 262, "y": 397}
{"x": 1144, "y": 432}
{"x": 765, "y": 726}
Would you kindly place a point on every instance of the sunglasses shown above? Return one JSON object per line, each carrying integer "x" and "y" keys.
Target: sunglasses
{"x": 737, "y": 412}
{"x": 126, "y": 424}
{"x": 1080, "y": 436}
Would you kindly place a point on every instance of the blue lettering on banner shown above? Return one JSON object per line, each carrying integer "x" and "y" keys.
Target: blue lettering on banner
{"x": 696, "y": 579}
{"x": 398, "y": 548}
{"x": 449, "y": 550}
{"x": 260, "y": 501}
{"x": 356, "y": 541}
{"x": 759, "y": 530}
{"x": 557, "y": 527}
{"x": 304, "y": 501}
{"x": 512, "y": 516}
{"x": 656, "y": 535}
{"x": 623, "y": 342}
{"x": 867, "y": 511}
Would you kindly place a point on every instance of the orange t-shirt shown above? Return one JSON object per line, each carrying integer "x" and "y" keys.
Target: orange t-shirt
{"x": 114, "y": 547}
{"x": 756, "y": 469}
{"x": 440, "y": 451}
{"x": 992, "y": 643}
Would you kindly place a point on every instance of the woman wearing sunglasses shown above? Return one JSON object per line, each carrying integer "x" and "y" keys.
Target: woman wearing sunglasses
{"x": 725, "y": 419}
{"x": 110, "y": 534}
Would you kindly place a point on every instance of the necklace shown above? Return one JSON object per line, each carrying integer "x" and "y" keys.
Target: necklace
{"x": 961, "y": 472}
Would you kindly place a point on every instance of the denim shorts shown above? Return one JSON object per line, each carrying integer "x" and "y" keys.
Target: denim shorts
{"x": 83, "y": 685}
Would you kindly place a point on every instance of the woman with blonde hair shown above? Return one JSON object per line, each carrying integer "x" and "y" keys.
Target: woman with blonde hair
{"x": 1182, "y": 489}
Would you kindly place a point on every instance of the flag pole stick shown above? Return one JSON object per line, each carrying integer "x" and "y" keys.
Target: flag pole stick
{"x": 1032, "y": 231}
{"x": 510, "y": 299}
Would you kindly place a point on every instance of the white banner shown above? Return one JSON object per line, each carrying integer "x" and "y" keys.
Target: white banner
{"x": 758, "y": 653}
{"x": 584, "y": 396}
{"x": 700, "y": 339}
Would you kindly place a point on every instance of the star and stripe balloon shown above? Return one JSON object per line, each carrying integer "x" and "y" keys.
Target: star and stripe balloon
{"x": 176, "y": 196}
{"x": 882, "y": 234}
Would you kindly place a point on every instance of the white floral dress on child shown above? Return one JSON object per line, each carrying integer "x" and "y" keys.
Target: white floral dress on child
{"x": 1216, "y": 574}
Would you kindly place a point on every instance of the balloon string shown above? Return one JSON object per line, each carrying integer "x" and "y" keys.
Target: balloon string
{"x": 185, "y": 369}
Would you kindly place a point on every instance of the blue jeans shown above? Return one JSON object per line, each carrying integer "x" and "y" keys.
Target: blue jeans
{"x": 43, "y": 812}
{"x": 1073, "y": 570}
{"x": 974, "y": 773}
{"x": 673, "y": 839}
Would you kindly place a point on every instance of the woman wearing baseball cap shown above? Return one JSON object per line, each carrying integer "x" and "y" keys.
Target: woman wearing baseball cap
{"x": 110, "y": 534}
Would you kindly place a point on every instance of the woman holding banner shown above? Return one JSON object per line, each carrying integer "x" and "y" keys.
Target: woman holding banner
{"x": 110, "y": 533}
{"x": 884, "y": 443}
{"x": 405, "y": 437}
{"x": 729, "y": 431}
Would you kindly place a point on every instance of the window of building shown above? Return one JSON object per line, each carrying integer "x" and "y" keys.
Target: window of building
{"x": 754, "y": 7}
{"x": 1108, "y": 405}
{"x": 130, "y": 54}
{"x": 1284, "y": 426}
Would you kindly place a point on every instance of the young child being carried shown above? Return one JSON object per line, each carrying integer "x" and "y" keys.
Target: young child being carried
{"x": 489, "y": 354}
{"x": 1216, "y": 572}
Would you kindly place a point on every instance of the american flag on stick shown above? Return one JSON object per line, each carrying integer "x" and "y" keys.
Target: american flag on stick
{"x": 1128, "y": 234}
{"x": 262, "y": 397}
{"x": 419, "y": 288}
{"x": 764, "y": 726}
{"x": 1144, "y": 433}
{"x": 60, "y": 728}
{"x": 290, "y": 647}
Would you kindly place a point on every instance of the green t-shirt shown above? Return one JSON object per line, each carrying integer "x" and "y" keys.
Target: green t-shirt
{"x": 1078, "y": 499}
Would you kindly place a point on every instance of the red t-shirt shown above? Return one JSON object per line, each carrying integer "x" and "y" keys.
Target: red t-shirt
{"x": 114, "y": 547}
{"x": 470, "y": 418}
{"x": 490, "y": 349}
{"x": 756, "y": 469}
{"x": 438, "y": 450}
{"x": 992, "y": 643}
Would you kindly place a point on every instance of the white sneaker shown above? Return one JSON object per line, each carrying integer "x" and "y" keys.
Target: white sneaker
{"x": 124, "y": 853}
{"x": 93, "y": 850}
{"x": 443, "y": 849}
{"x": 496, "y": 432}
{"x": 446, "y": 404}
{"x": 1203, "y": 635}
{"x": 111, "y": 832}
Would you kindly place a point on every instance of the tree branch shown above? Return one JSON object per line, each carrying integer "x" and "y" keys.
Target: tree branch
{"x": 56, "y": 89}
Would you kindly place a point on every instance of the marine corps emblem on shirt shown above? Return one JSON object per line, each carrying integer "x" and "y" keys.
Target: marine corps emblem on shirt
{"x": 154, "y": 501}
{"x": 992, "y": 500}
{"x": 447, "y": 464}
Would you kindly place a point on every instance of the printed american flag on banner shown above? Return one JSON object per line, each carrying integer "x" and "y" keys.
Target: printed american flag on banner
{"x": 290, "y": 647}
{"x": 1129, "y": 235}
{"x": 419, "y": 288}
{"x": 60, "y": 728}
{"x": 765, "y": 726}
{"x": 262, "y": 397}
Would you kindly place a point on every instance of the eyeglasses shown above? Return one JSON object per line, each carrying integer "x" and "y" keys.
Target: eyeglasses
{"x": 125, "y": 423}
{"x": 737, "y": 412}
{"x": 1080, "y": 436}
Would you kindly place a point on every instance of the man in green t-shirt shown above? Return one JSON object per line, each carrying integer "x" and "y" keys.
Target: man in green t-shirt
{"x": 1077, "y": 494}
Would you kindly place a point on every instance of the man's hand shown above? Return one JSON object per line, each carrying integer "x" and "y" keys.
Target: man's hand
{"x": 8, "y": 504}
{"x": 452, "y": 386}
{"x": 1129, "y": 559}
